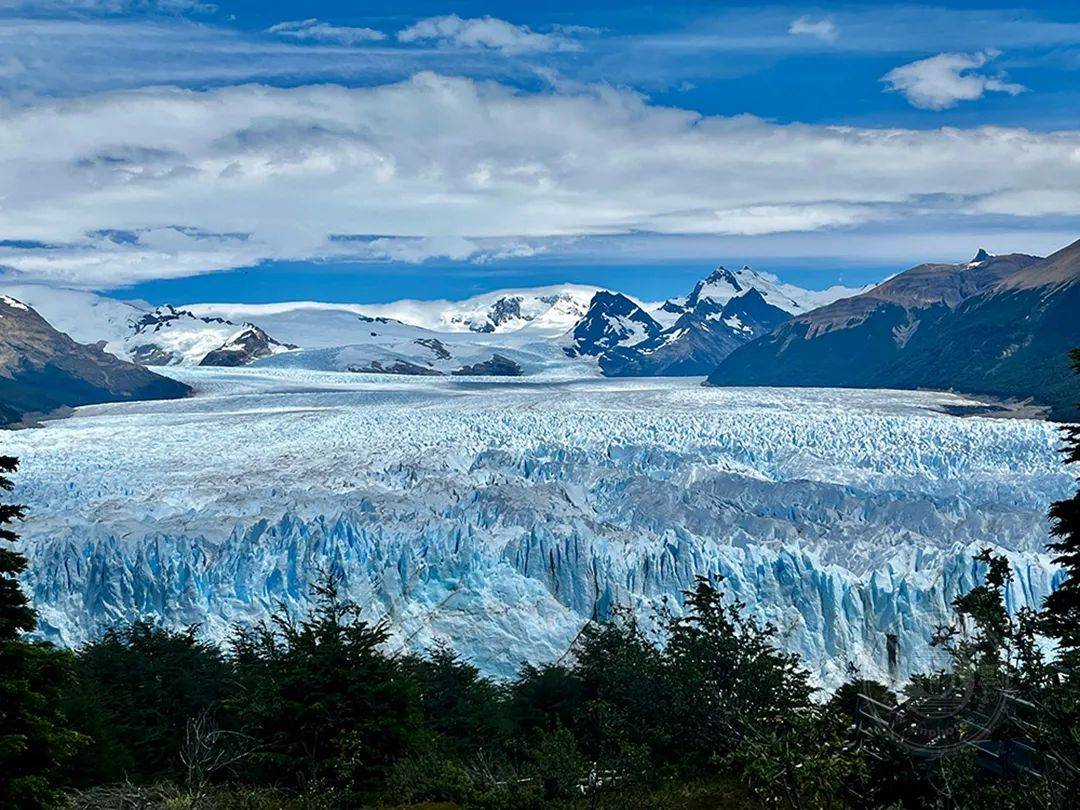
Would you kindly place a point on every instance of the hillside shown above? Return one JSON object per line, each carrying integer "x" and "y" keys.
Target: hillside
{"x": 42, "y": 369}
{"x": 998, "y": 325}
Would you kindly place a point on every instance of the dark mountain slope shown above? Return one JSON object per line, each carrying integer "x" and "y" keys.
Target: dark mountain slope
{"x": 998, "y": 325}
{"x": 704, "y": 334}
{"x": 42, "y": 369}
{"x": 611, "y": 319}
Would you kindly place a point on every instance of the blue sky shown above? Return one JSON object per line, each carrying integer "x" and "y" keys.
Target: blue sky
{"x": 184, "y": 151}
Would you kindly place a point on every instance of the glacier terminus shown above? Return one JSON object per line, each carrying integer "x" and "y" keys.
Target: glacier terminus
{"x": 501, "y": 515}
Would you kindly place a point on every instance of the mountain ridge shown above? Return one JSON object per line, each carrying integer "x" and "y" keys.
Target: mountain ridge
{"x": 43, "y": 370}
{"x": 999, "y": 326}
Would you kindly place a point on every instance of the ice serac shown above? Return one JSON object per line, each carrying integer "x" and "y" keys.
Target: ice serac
{"x": 998, "y": 325}
{"x": 42, "y": 369}
{"x": 500, "y": 517}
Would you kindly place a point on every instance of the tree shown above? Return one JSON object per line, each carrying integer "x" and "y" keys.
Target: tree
{"x": 137, "y": 690}
{"x": 464, "y": 710}
{"x": 1061, "y": 611}
{"x": 625, "y": 713}
{"x": 728, "y": 679}
{"x": 16, "y": 615}
{"x": 328, "y": 708}
{"x": 1059, "y": 728}
{"x": 34, "y": 744}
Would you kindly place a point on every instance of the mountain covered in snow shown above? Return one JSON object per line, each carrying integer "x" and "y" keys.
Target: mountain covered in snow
{"x": 996, "y": 325}
{"x": 573, "y": 329}
{"x": 544, "y": 310}
{"x": 686, "y": 336}
{"x": 612, "y": 320}
{"x": 722, "y": 285}
{"x": 43, "y": 370}
{"x": 148, "y": 336}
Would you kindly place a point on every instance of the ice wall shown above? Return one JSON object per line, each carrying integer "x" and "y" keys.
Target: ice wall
{"x": 500, "y": 517}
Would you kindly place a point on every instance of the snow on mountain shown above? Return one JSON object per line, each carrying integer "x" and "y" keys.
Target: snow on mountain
{"x": 694, "y": 333}
{"x": 501, "y": 517}
{"x": 84, "y": 316}
{"x": 336, "y": 337}
{"x": 152, "y": 336}
{"x": 722, "y": 285}
{"x": 543, "y": 310}
{"x": 168, "y": 336}
{"x": 495, "y": 332}
{"x": 611, "y": 320}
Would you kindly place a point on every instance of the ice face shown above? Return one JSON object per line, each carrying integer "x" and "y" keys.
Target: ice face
{"x": 501, "y": 515}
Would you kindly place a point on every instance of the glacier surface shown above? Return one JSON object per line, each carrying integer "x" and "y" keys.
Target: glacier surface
{"x": 501, "y": 515}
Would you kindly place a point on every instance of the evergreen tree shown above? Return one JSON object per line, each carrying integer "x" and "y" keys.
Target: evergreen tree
{"x": 329, "y": 709}
{"x": 1059, "y": 722}
{"x": 137, "y": 690}
{"x": 16, "y": 616}
{"x": 33, "y": 742}
{"x": 1061, "y": 611}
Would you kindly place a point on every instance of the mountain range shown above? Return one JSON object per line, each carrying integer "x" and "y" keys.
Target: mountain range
{"x": 998, "y": 325}
{"x": 43, "y": 370}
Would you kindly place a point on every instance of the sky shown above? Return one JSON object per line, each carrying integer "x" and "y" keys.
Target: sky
{"x": 182, "y": 151}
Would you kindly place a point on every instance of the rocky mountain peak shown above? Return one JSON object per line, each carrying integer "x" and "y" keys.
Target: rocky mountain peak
{"x": 612, "y": 319}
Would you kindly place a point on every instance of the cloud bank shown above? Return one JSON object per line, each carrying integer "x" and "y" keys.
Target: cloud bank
{"x": 114, "y": 188}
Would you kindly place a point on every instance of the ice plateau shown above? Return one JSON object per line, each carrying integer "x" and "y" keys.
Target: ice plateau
{"x": 500, "y": 516}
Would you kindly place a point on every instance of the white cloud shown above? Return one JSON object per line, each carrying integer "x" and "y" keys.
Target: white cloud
{"x": 943, "y": 81}
{"x": 464, "y": 169}
{"x": 313, "y": 30}
{"x": 485, "y": 32}
{"x": 824, "y": 29}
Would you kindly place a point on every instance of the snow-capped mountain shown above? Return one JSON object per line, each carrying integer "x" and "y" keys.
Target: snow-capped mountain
{"x": 611, "y": 320}
{"x": 722, "y": 285}
{"x": 578, "y": 328}
{"x": 551, "y": 310}
{"x": 684, "y": 336}
{"x": 167, "y": 336}
{"x": 42, "y": 369}
{"x": 149, "y": 336}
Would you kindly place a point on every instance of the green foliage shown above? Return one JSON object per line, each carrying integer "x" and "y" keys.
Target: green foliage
{"x": 1061, "y": 612}
{"x": 325, "y": 703}
{"x": 731, "y": 680}
{"x": 806, "y": 759}
{"x": 34, "y": 743}
{"x": 137, "y": 689}
{"x": 16, "y": 616}
{"x": 466, "y": 712}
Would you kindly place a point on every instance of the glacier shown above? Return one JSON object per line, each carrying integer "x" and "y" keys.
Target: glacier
{"x": 501, "y": 515}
